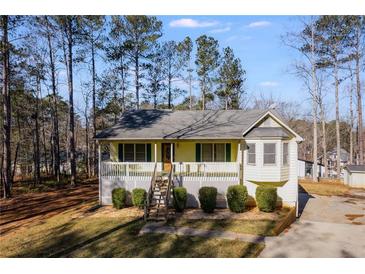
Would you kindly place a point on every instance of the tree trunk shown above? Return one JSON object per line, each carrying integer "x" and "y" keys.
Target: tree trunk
{"x": 324, "y": 142}
{"x": 190, "y": 88}
{"x": 71, "y": 103}
{"x": 6, "y": 112}
{"x": 37, "y": 171}
{"x": 45, "y": 152}
{"x": 137, "y": 79}
{"x": 95, "y": 162}
{"x": 314, "y": 109}
{"x": 169, "y": 91}
{"x": 56, "y": 137}
{"x": 87, "y": 145}
{"x": 351, "y": 127}
{"x": 338, "y": 141}
{"x": 359, "y": 101}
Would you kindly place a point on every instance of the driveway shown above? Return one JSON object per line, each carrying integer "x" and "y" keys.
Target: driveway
{"x": 328, "y": 227}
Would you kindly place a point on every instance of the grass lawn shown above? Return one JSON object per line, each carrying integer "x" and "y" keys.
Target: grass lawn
{"x": 83, "y": 230}
{"x": 262, "y": 226}
{"x": 324, "y": 188}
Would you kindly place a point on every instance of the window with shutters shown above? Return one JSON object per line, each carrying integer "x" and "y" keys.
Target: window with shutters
{"x": 135, "y": 152}
{"x": 214, "y": 152}
{"x": 285, "y": 154}
{"x": 207, "y": 152}
{"x": 219, "y": 153}
{"x": 105, "y": 152}
{"x": 129, "y": 152}
{"x": 269, "y": 154}
{"x": 251, "y": 154}
{"x": 140, "y": 152}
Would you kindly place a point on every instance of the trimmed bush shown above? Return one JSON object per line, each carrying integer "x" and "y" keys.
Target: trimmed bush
{"x": 180, "y": 197}
{"x": 236, "y": 198}
{"x": 208, "y": 198}
{"x": 266, "y": 198}
{"x": 119, "y": 197}
{"x": 138, "y": 197}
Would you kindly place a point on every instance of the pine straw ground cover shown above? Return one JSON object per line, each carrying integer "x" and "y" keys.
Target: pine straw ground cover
{"x": 252, "y": 221}
{"x": 85, "y": 230}
{"x": 324, "y": 187}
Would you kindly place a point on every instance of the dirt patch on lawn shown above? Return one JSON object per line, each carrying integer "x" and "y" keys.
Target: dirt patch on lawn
{"x": 352, "y": 217}
{"x": 226, "y": 214}
{"x": 109, "y": 211}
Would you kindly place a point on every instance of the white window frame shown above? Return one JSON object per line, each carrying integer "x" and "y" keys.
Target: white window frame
{"x": 135, "y": 152}
{"x": 252, "y": 164}
{"x": 263, "y": 154}
{"x": 213, "y": 157}
{"x": 287, "y": 156}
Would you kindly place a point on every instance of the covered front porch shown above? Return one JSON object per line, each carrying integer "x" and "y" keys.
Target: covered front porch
{"x": 187, "y": 162}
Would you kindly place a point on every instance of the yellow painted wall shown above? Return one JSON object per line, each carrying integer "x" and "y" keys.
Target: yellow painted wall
{"x": 184, "y": 150}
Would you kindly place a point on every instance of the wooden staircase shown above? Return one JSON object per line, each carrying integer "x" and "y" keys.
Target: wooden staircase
{"x": 158, "y": 197}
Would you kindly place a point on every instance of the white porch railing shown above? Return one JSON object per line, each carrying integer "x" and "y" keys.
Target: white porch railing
{"x": 189, "y": 170}
{"x": 207, "y": 170}
{"x": 128, "y": 169}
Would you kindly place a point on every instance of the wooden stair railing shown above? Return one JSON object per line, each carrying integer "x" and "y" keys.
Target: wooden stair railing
{"x": 150, "y": 193}
{"x": 158, "y": 197}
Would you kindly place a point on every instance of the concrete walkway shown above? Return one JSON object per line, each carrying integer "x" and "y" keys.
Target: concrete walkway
{"x": 328, "y": 227}
{"x": 187, "y": 231}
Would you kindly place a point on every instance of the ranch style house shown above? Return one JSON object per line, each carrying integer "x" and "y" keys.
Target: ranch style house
{"x": 200, "y": 148}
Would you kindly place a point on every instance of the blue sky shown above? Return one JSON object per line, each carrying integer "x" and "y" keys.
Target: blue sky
{"x": 256, "y": 40}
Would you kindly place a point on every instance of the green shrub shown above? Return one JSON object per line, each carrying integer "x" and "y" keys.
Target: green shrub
{"x": 119, "y": 197}
{"x": 208, "y": 198}
{"x": 236, "y": 198}
{"x": 266, "y": 198}
{"x": 138, "y": 197}
{"x": 180, "y": 197}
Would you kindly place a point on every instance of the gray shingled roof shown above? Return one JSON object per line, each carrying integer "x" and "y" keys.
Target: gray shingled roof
{"x": 167, "y": 124}
{"x": 356, "y": 168}
{"x": 260, "y": 132}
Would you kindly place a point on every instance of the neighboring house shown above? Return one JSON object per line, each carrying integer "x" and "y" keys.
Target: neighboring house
{"x": 305, "y": 169}
{"x": 354, "y": 175}
{"x": 332, "y": 161}
{"x": 200, "y": 148}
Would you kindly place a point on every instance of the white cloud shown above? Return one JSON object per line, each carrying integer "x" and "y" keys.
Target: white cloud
{"x": 269, "y": 84}
{"x": 192, "y": 23}
{"x": 259, "y": 24}
{"x": 220, "y": 30}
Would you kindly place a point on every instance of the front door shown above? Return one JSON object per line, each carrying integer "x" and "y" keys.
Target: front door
{"x": 166, "y": 156}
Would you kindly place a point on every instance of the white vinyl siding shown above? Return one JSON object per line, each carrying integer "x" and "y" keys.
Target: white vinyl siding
{"x": 269, "y": 153}
{"x": 273, "y": 173}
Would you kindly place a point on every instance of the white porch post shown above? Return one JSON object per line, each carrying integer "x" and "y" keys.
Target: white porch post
{"x": 155, "y": 152}
{"x": 99, "y": 172}
{"x": 242, "y": 162}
